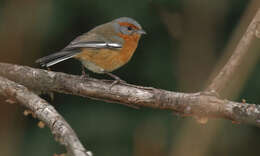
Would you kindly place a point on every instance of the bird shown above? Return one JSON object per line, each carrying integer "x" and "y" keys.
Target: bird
{"x": 103, "y": 49}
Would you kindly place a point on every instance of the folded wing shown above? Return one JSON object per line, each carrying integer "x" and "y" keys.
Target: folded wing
{"x": 74, "y": 48}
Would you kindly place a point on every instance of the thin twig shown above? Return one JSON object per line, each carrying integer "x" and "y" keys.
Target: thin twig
{"x": 45, "y": 112}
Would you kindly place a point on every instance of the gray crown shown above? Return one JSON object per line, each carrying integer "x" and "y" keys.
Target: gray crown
{"x": 128, "y": 20}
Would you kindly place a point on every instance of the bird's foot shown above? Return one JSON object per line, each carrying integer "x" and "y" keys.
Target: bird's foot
{"x": 116, "y": 81}
{"x": 120, "y": 81}
{"x": 85, "y": 76}
{"x": 139, "y": 87}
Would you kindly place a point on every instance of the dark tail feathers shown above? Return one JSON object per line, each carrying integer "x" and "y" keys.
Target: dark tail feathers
{"x": 55, "y": 58}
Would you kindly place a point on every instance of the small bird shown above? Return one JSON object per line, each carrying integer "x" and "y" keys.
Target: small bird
{"x": 103, "y": 49}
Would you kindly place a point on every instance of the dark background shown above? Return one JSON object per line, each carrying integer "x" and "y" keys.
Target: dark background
{"x": 186, "y": 41}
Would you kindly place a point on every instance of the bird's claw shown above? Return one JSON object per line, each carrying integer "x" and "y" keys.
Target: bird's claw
{"x": 118, "y": 81}
{"x": 85, "y": 76}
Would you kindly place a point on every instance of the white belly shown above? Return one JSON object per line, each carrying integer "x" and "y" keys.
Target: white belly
{"x": 92, "y": 67}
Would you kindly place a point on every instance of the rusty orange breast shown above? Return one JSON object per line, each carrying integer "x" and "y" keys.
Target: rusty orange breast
{"x": 130, "y": 45}
{"x": 110, "y": 59}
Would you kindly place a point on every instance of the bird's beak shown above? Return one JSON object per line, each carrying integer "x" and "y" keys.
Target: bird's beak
{"x": 142, "y": 32}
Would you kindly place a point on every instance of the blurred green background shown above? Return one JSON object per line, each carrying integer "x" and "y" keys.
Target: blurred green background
{"x": 186, "y": 41}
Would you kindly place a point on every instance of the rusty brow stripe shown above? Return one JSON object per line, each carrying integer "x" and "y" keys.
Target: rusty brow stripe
{"x": 128, "y": 24}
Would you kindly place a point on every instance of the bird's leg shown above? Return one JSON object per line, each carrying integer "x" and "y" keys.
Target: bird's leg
{"x": 117, "y": 79}
{"x": 83, "y": 73}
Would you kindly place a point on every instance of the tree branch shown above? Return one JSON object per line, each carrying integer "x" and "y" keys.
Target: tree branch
{"x": 201, "y": 104}
{"x": 227, "y": 73}
{"x": 44, "y": 111}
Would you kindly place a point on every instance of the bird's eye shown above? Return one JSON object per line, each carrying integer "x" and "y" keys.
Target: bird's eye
{"x": 129, "y": 28}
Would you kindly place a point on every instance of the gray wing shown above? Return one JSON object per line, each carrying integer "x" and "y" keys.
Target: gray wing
{"x": 93, "y": 44}
{"x": 92, "y": 41}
